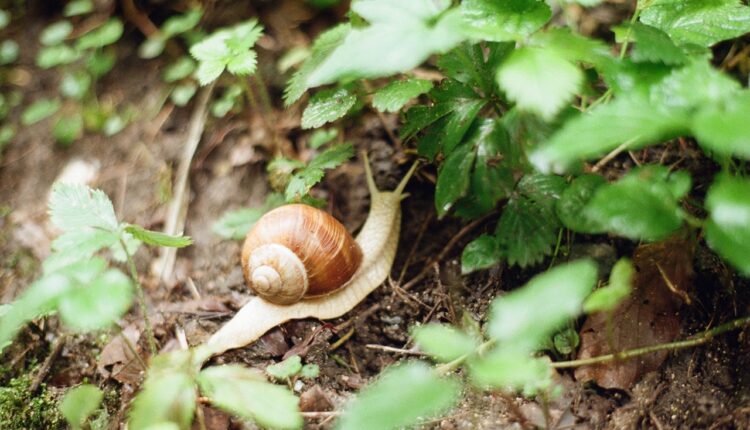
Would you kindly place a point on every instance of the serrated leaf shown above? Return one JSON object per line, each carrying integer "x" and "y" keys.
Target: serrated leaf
{"x": 305, "y": 178}
{"x": 500, "y": 21}
{"x": 539, "y": 80}
{"x": 321, "y": 49}
{"x": 389, "y": 403}
{"x": 641, "y": 205}
{"x": 97, "y": 304}
{"x": 526, "y": 231}
{"x": 474, "y": 64}
{"x": 724, "y": 128}
{"x": 727, "y": 229}
{"x": 79, "y": 244}
{"x": 619, "y": 287}
{"x": 208, "y": 71}
{"x": 570, "y": 207}
{"x": 327, "y": 106}
{"x": 453, "y": 179}
{"x": 322, "y": 136}
{"x": 228, "y": 47}
{"x": 107, "y": 34}
{"x": 654, "y": 45}
{"x": 157, "y": 238}
{"x": 480, "y": 253}
{"x": 55, "y": 33}
{"x": 443, "y": 342}
{"x": 39, "y": 110}
{"x": 524, "y": 318}
{"x": 400, "y": 37}
{"x": 694, "y": 86}
{"x": 285, "y": 369}
{"x": 237, "y": 390}
{"x": 79, "y": 403}
{"x": 73, "y": 206}
{"x": 396, "y": 94}
{"x": 698, "y": 22}
{"x": 632, "y": 121}
{"x": 243, "y": 64}
{"x": 332, "y": 157}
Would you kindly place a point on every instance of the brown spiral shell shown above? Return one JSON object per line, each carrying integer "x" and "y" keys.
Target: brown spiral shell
{"x": 322, "y": 246}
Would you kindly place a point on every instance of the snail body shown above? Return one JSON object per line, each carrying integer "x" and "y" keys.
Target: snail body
{"x": 377, "y": 241}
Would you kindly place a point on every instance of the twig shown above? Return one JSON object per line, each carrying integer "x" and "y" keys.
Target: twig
{"x": 57, "y": 346}
{"x": 321, "y": 414}
{"x": 175, "y": 220}
{"x": 141, "y": 299}
{"x": 138, "y": 18}
{"x": 396, "y": 350}
{"x": 700, "y": 339}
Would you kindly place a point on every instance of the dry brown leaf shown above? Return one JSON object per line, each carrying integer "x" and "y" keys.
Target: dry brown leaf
{"x": 117, "y": 359}
{"x": 648, "y": 317}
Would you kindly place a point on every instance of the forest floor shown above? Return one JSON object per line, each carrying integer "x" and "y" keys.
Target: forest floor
{"x": 702, "y": 387}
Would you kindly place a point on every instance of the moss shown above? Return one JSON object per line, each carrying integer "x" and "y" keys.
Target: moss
{"x": 21, "y": 410}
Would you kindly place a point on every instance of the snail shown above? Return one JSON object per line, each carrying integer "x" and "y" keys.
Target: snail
{"x": 317, "y": 271}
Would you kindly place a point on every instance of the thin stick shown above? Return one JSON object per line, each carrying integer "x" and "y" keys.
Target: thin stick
{"x": 396, "y": 350}
{"x": 141, "y": 299}
{"x": 607, "y": 158}
{"x": 57, "y": 346}
{"x": 700, "y": 339}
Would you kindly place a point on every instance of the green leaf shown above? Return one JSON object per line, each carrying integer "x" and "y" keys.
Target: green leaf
{"x": 504, "y": 20}
{"x": 321, "y": 49}
{"x": 158, "y": 239}
{"x": 305, "y": 178}
{"x": 511, "y": 370}
{"x": 724, "y": 128}
{"x": 620, "y": 285}
{"x": 236, "y": 224}
{"x": 629, "y": 121}
{"x": 694, "y": 86}
{"x": 524, "y": 318}
{"x": 641, "y": 205}
{"x": 480, "y": 253}
{"x": 52, "y": 56}
{"x": 230, "y": 48}
{"x": 326, "y": 106}
{"x": 166, "y": 397}
{"x": 321, "y": 136}
{"x": 4, "y": 18}
{"x": 114, "y": 124}
{"x": 75, "y": 85}
{"x": 539, "y": 80}
{"x": 208, "y": 71}
{"x": 181, "y": 94}
{"x": 285, "y": 369}
{"x": 100, "y": 62}
{"x": 570, "y": 207}
{"x": 68, "y": 129}
{"x": 78, "y": 7}
{"x": 243, "y": 64}
{"x": 573, "y": 46}
{"x": 107, "y": 34}
{"x": 181, "y": 23}
{"x": 474, "y": 64}
{"x": 238, "y": 390}
{"x": 698, "y": 22}
{"x": 442, "y": 342}
{"x": 392, "y": 97}
{"x": 180, "y": 69}
{"x": 97, "y": 304}
{"x": 728, "y": 227}
{"x": 55, "y": 33}
{"x": 453, "y": 179}
{"x": 39, "y": 110}
{"x": 399, "y": 38}
{"x": 9, "y": 51}
{"x": 654, "y": 45}
{"x": 309, "y": 371}
{"x": 79, "y": 403}
{"x": 402, "y": 396}
{"x": 74, "y": 206}
{"x": 332, "y": 157}
{"x": 152, "y": 47}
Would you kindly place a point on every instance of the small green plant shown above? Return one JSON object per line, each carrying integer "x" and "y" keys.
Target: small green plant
{"x": 79, "y": 404}
{"x": 21, "y": 409}
{"x": 291, "y": 369}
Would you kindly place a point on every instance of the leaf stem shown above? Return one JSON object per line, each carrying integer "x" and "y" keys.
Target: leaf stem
{"x": 696, "y": 340}
{"x": 141, "y": 299}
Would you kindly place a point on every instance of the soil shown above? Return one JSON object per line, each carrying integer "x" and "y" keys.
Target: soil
{"x": 702, "y": 387}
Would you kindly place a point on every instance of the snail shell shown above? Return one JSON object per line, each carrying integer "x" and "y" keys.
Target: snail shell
{"x": 297, "y": 251}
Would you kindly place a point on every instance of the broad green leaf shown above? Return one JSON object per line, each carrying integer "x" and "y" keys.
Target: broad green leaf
{"x": 39, "y": 110}
{"x": 474, "y": 64}
{"x": 524, "y": 318}
{"x": 79, "y": 403}
{"x": 74, "y": 206}
{"x": 573, "y": 46}
{"x": 392, "y": 97}
{"x": 236, "y": 224}
{"x": 499, "y": 21}
{"x": 694, "y": 86}
{"x": 526, "y": 232}
{"x": 630, "y": 122}
{"x": 309, "y": 371}
{"x": 402, "y": 396}
{"x": 481, "y": 253}
{"x": 399, "y": 38}
{"x": 326, "y": 106}
{"x": 641, "y": 205}
{"x": 180, "y": 69}
{"x": 166, "y": 397}
{"x": 208, "y": 71}
{"x": 619, "y": 287}
{"x": 107, "y": 34}
{"x": 68, "y": 128}
{"x": 453, "y": 179}
{"x": 728, "y": 227}
{"x": 442, "y": 342}
{"x": 654, "y": 45}
{"x": 76, "y": 245}
{"x": 285, "y": 369}
{"x": 511, "y": 370}
{"x": 332, "y": 157}
{"x": 322, "y": 47}
{"x": 570, "y": 207}
{"x": 158, "y": 239}
{"x": 97, "y": 304}
{"x": 78, "y": 7}
{"x": 698, "y": 22}
{"x": 237, "y": 390}
{"x": 321, "y": 136}
{"x": 55, "y": 33}
{"x": 539, "y": 80}
{"x": 52, "y": 56}
{"x": 724, "y": 128}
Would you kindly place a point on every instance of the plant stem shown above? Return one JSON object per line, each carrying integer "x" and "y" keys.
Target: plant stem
{"x": 141, "y": 299}
{"x": 453, "y": 365}
{"x": 700, "y": 339}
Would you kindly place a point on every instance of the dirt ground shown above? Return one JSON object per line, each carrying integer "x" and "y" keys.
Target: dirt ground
{"x": 703, "y": 387}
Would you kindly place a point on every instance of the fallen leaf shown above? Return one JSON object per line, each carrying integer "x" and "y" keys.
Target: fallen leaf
{"x": 648, "y": 317}
{"x": 315, "y": 400}
{"x": 118, "y": 360}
